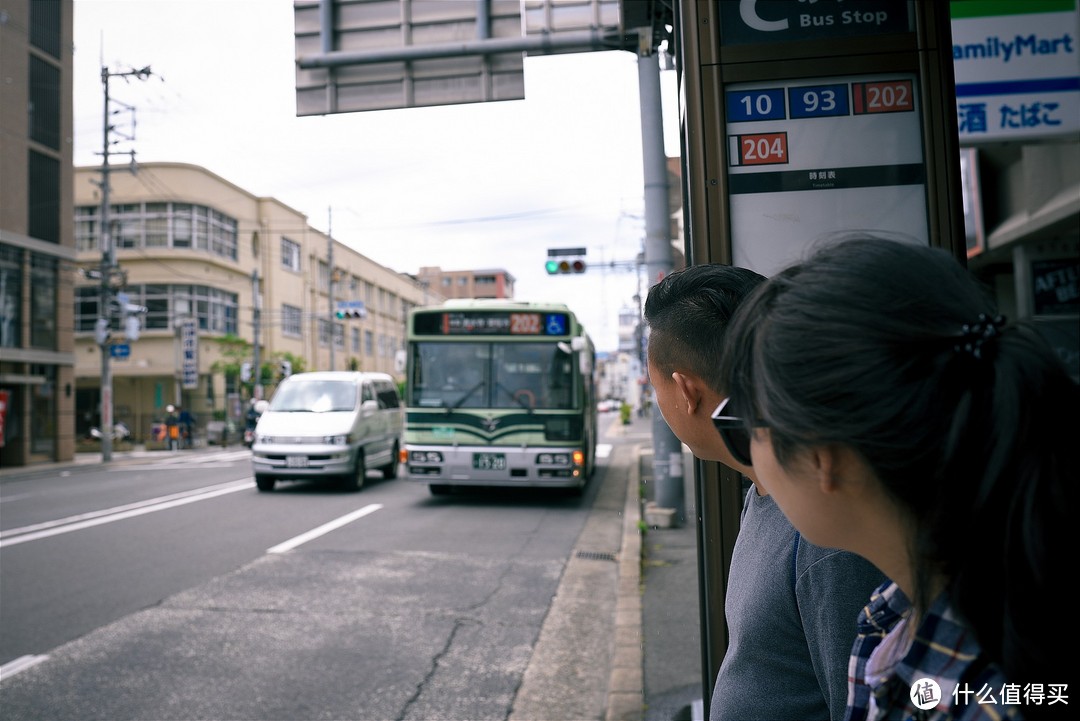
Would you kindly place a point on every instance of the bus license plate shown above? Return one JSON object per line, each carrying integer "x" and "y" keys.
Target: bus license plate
{"x": 489, "y": 461}
{"x": 296, "y": 461}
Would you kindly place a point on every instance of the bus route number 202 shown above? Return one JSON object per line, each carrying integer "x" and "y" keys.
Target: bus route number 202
{"x": 759, "y": 149}
{"x": 525, "y": 324}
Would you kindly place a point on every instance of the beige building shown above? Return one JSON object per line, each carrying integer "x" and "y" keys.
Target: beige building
{"x": 211, "y": 262}
{"x": 490, "y": 283}
{"x": 36, "y": 241}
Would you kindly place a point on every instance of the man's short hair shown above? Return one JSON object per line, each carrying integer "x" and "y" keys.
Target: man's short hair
{"x": 688, "y": 312}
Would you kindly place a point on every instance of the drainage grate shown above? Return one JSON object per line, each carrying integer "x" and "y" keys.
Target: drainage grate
{"x": 596, "y": 556}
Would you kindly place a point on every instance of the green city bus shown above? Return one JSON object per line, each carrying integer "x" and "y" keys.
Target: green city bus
{"x": 499, "y": 393}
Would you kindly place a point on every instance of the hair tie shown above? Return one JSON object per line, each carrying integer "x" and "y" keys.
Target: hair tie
{"x": 973, "y": 335}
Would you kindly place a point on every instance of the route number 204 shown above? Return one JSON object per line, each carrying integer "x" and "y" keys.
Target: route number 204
{"x": 760, "y": 149}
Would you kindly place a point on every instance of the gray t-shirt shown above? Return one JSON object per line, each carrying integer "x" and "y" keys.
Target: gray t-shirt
{"x": 791, "y": 609}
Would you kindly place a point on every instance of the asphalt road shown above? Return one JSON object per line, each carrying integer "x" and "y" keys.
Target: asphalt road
{"x": 172, "y": 589}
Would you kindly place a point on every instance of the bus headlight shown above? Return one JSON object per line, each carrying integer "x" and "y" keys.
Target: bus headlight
{"x": 425, "y": 457}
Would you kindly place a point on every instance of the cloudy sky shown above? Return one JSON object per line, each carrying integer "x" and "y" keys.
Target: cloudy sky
{"x": 468, "y": 186}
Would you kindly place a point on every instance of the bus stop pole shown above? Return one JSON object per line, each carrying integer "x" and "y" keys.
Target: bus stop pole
{"x": 667, "y": 449}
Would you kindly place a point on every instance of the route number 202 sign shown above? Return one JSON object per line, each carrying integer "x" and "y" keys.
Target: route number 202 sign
{"x": 810, "y": 158}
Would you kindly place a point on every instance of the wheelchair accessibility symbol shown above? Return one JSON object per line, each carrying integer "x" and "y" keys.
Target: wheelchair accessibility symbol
{"x": 555, "y": 324}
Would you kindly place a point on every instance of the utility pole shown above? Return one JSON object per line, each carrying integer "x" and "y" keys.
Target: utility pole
{"x": 330, "y": 277}
{"x": 112, "y": 278}
{"x": 667, "y": 449}
{"x": 256, "y": 313}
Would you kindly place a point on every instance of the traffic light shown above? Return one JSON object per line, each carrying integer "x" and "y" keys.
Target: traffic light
{"x": 101, "y": 331}
{"x": 559, "y": 267}
{"x": 350, "y": 309}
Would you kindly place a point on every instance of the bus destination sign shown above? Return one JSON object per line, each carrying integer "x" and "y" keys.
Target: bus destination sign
{"x": 492, "y": 323}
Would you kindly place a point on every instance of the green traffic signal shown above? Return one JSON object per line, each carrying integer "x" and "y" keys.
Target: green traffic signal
{"x": 552, "y": 267}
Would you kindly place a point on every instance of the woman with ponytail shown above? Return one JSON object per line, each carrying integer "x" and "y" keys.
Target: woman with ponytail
{"x": 891, "y": 411}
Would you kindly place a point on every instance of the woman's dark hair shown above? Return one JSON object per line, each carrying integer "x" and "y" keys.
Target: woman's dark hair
{"x": 894, "y": 350}
{"x": 688, "y": 312}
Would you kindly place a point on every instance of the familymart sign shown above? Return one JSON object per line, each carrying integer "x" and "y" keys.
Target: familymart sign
{"x": 1017, "y": 67}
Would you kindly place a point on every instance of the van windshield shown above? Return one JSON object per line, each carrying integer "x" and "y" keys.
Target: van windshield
{"x": 314, "y": 397}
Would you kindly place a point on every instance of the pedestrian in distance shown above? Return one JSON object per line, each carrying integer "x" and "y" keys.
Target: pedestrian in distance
{"x": 172, "y": 427}
{"x": 790, "y": 606}
{"x": 187, "y": 426}
{"x": 890, "y": 411}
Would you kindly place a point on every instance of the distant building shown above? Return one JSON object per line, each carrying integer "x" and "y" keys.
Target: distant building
{"x": 37, "y": 245}
{"x": 489, "y": 283}
{"x": 208, "y": 259}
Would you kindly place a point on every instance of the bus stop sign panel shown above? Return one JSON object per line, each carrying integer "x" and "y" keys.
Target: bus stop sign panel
{"x": 750, "y": 22}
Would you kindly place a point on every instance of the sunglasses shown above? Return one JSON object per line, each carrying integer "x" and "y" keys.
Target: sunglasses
{"x": 734, "y": 432}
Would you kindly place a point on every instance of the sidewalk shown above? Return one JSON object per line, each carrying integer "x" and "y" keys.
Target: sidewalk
{"x": 671, "y": 608}
{"x": 137, "y": 451}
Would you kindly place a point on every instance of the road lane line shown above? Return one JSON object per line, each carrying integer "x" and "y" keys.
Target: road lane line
{"x": 117, "y": 509}
{"x": 324, "y": 529}
{"x": 21, "y": 663}
{"x": 97, "y": 518}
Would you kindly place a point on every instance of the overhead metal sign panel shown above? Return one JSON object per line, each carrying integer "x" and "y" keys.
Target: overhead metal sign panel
{"x": 357, "y": 55}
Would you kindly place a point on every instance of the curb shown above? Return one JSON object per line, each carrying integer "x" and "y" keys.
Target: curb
{"x": 626, "y": 685}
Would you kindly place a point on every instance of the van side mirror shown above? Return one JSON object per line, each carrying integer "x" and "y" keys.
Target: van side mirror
{"x": 369, "y": 407}
{"x": 261, "y": 406}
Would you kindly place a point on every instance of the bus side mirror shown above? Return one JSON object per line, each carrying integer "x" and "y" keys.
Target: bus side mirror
{"x": 577, "y": 343}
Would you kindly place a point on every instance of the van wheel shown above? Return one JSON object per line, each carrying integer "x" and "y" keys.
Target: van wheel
{"x": 355, "y": 481}
{"x": 264, "y": 483}
{"x": 389, "y": 471}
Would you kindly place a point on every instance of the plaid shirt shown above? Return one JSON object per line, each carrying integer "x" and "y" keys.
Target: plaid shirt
{"x": 944, "y": 650}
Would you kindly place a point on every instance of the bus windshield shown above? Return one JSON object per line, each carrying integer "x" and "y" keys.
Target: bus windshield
{"x": 530, "y": 376}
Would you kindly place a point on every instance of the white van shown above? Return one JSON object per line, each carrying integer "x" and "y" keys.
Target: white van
{"x": 329, "y": 424}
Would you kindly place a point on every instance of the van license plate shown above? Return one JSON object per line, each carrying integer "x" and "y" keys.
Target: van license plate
{"x": 296, "y": 461}
{"x": 489, "y": 461}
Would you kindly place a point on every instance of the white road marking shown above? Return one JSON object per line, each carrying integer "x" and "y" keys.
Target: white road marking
{"x": 324, "y": 529}
{"x": 603, "y": 450}
{"x": 21, "y": 663}
{"x": 118, "y": 513}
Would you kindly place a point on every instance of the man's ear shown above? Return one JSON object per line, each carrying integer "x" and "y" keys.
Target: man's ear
{"x": 690, "y": 389}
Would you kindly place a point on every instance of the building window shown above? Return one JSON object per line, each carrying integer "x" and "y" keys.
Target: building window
{"x": 43, "y": 108}
{"x": 290, "y": 321}
{"x": 43, "y": 301}
{"x": 355, "y": 340}
{"x": 10, "y": 297}
{"x": 45, "y": 26}
{"x": 369, "y": 343}
{"x": 290, "y": 255}
{"x": 215, "y": 310}
{"x": 159, "y": 225}
{"x": 339, "y": 335}
{"x": 44, "y": 197}
{"x": 323, "y": 276}
{"x": 87, "y": 238}
{"x": 324, "y": 332}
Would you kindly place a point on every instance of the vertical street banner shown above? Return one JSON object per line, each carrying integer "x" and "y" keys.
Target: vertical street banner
{"x": 189, "y": 354}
